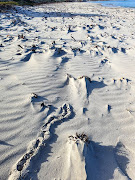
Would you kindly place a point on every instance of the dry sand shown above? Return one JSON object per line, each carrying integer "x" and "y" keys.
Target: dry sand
{"x": 67, "y": 85}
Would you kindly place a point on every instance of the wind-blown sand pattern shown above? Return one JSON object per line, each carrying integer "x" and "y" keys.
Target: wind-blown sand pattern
{"x": 67, "y": 83}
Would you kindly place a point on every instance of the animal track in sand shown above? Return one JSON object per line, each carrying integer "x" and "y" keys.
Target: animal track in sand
{"x": 23, "y": 166}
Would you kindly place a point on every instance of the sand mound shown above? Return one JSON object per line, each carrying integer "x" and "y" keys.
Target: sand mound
{"x": 76, "y": 158}
{"x": 83, "y": 86}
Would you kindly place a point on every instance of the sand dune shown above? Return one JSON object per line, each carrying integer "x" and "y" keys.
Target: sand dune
{"x": 67, "y": 93}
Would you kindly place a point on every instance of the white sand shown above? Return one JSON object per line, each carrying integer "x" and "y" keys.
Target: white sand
{"x": 79, "y": 60}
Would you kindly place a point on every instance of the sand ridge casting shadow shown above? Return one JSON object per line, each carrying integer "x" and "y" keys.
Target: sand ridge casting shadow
{"x": 59, "y": 52}
{"x": 94, "y": 85}
{"x": 121, "y": 159}
{"x": 101, "y": 163}
{"x": 60, "y": 14}
{"x": 42, "y": 104}
{"x": 27, "y": 57}
{"x": 98, "y": 161}
{"x": 5, "y": 143}
{"x": 83, "y": 84}
{"x": 114, "y": 50}
{"x": 37, "y": 99}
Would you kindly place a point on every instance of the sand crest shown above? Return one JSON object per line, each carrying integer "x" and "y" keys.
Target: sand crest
{"x": 67, "y": 92}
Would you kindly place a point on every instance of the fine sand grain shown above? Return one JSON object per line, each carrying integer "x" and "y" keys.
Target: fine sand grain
{"x": 67, "y": 85}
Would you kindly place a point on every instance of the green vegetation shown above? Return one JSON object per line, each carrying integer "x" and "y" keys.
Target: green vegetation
{"x": 6, "y": 5}
{"x": 16, "y": 2}
{"x": 12, "y": 3}
{"x": 25, "y": 2}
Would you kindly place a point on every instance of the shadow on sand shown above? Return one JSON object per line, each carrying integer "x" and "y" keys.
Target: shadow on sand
{"x": 102, "y": 161}
{"x": 32, "y": 13}
{"x": 4, "y": 143}
{"x": 45, "y": 151}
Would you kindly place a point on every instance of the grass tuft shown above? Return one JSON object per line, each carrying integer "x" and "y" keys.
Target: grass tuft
{"x": 83, "y": 137}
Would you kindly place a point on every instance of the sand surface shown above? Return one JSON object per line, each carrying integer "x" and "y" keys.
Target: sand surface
{"x": 67, "y": 85}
